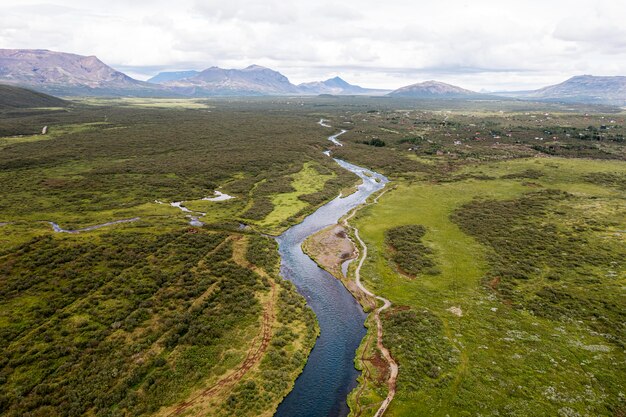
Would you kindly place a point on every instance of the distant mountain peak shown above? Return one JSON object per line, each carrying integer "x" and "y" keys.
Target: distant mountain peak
{"x": 432, "y": 89}
{"x": 336, "y": 86}
{"x": 586, "y": 88}
{"x": 168, "y": 76}
{"x": 338, "y": 81}
{"x": 256, "y": 67}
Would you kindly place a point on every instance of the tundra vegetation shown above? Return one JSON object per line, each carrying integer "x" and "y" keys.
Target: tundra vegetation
{"x": 500, "y": 244}
{"x": 523, "y": 216}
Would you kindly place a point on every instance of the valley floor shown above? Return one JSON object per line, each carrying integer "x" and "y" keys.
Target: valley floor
{"x": 499, "y": 242}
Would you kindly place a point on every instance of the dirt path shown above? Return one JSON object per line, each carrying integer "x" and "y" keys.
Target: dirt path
{"x": 393, "y": 366}
{"x": 258, "y": 346}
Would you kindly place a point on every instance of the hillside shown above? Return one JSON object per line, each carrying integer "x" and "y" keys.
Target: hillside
{"x": 12, "y": 97}
{"x": 432, "y": 89}
{"x": 586, "y": 89}
{"x": 67, "y": 74}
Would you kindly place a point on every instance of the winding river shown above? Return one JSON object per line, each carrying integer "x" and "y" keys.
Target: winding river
{"x": 329, "y": 374}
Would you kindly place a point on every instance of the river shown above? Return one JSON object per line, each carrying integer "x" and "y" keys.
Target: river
{"x": 329, "y": 374}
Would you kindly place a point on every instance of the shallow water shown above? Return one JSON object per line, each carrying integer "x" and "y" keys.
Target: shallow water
{"x": 334, "y": 140}
{"x": 329, "y": 374}
{"x": 344, "y": 267}
{"x": 218, "y": 196}
{"x": 59, "y": 229}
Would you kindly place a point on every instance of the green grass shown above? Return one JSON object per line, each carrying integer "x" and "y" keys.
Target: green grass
{"x": 499, "y": 357}
{"x": 161, "y": 103}
{"x": 52, "y": 133}
{"x": 306, "y": 181}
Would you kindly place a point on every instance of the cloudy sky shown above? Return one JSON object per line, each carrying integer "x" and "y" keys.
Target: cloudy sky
{"x": 477, "y": 44}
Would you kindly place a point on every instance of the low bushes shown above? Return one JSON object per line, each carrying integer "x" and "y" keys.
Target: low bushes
{"x": 409, "y": 254}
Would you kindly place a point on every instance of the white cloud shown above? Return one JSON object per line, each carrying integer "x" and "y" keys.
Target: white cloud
{"x": 477, "y": 44}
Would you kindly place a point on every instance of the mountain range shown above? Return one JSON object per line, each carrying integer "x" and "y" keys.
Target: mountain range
{"x": 65, "y": 74}
{"x": 252, "y": 80}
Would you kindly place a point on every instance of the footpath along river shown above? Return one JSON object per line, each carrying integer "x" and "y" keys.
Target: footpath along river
{"x": 329, "y": 374}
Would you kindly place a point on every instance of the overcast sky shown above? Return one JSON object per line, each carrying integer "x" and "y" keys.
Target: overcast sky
{"x": 477, "y": 44}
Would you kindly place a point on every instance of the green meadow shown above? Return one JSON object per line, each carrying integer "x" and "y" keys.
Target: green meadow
{"x": 467, "y": 347}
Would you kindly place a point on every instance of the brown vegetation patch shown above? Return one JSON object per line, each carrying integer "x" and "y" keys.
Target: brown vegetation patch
{"x": 382, "y": 367}
{"x": 494, "y": 283}
{"x": 330, "y": 248}
{"x": 54, "y": 182}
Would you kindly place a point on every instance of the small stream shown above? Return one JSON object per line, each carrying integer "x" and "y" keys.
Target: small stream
{"x": 59, "y": 229}
{"x": 329, "y": 374}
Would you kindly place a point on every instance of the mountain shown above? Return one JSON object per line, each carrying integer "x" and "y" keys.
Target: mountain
{"x": 582, "y": 88}
{"x": 164, "y": 77}
{"x": 433, "y": 89}
{"x": 254, "y": 80}
{"x": 66, "y": 74}
{"x": 12, "y": 97}
{"x": 336, "y": 86}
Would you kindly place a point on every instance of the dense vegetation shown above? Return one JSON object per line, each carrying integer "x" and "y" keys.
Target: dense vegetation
{"x": 555, "y": 269}
{"x": 133, "y": 319}
{"x": 417, "y": 342}
{"x": 408, "y": 252}
{"x": 117, "y": 322}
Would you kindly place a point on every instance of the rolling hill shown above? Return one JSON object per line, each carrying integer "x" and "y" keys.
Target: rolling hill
{"x": 433, "y": 89}
{"x": 12, "y": 97}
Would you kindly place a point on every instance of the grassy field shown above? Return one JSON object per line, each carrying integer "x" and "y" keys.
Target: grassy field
{"x": 552, "y": 343}
{"x": 306, "y": 181}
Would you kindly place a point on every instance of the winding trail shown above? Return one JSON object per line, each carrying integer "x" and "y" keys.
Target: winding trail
{"x": 393, "y": 366}
{"x": 257, "y": 350}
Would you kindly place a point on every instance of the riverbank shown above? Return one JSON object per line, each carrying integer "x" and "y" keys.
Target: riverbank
{"x": 329, "y": 375}
{"x": 329, "y": 248}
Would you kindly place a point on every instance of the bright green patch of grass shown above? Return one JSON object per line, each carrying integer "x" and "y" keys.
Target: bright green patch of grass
{"x": 308, "y": 180}
{"x": 53, "y": 132}
{"x": 160, "y": 103}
